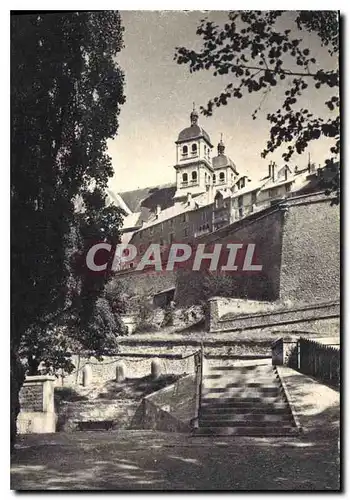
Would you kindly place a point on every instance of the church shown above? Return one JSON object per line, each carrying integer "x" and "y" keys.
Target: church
{"x": 209, "y": 192}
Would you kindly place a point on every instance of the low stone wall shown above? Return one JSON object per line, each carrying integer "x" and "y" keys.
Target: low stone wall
{"x": 320, "y": 317}
{"x": 172, "y": 408}
{"x": 284, "y": 352}
{"x": 121, "y": 413}
{"x": 241, "y": 306}
{"x": 137, "y": 364}
{"x": 36, "y": 399}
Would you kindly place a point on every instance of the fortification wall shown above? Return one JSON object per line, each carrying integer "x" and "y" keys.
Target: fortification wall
{"x": 265, "y": 230}
{"x": 297, "y": 244}
{"x": 310, "y": 267}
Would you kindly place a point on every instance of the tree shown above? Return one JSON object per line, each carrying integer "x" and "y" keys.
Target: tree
{"x": 258, "y": 54}
{"x": 66, "y": 94}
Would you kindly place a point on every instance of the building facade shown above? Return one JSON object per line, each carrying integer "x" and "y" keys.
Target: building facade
{"x": 209, "y": 193}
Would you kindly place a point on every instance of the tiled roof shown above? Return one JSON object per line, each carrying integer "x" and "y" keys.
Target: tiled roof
{"x": 177, "y": 209}
{"x": 149, "y": 197}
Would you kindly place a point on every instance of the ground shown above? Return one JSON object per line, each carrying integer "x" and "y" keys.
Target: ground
{"x": 147, "y": 460}
{"x": 128, "y": 460}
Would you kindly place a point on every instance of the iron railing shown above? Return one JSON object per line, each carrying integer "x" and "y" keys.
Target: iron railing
{"x": 321, "y": 361}
{"x": 198, "y": 362}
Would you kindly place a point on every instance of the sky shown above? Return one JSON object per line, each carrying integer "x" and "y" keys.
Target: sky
{"x": 159, "y": 96}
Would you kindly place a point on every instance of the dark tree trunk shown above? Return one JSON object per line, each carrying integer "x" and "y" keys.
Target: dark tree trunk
{"x": 17, "y": 379}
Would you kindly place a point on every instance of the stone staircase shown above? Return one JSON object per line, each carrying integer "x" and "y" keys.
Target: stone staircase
{"x": 244, "y": 401}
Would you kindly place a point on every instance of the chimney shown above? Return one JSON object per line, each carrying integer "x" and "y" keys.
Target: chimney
{"x": 312, "y": 168}
{"x": 189, "y": 199}
{"x": 158, "y": 210}
{"x": 209, "y": 189}
{"x": 272, "y": 171}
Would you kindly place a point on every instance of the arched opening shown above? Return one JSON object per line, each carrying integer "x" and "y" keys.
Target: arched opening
{"x": 185, "y": 150}
{"x": 184, "y": 178}
{"x": 194, "y": 148}
{"x": 194, "y": 176}
{"x": 222, "y": 177}
{"x": 214, "y": 178}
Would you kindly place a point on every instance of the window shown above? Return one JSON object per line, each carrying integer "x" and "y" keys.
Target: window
{"x": 240, "y": 201}
{"x": 271, "y": 193}
{"x": 222, "y": 177}
{"x": 171, "y": 222}
{"x": 185, "y": 232}
{"x": 184, "y": 178}
{"x": 194, "y": 176}
{"x": 184, "y": 217}
{"x": 240, "y": 212}
{"x": 185, "y": 150}
{"x": 254, "y": 197}
{"x": 194, "y": 148}
{"x": 288, "y": 187}
{"x": 214, "y": 178}
{"x": 171, "y": 236}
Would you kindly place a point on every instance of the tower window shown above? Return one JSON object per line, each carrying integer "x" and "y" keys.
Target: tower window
{"x": 184, "y": 178}
{"x": 214, "y": 178}
{"x": 185, "y": 150}
{"x": 222, "y": 177}
{"x": 194, "y": 148}
{"x": 194, "y": 176}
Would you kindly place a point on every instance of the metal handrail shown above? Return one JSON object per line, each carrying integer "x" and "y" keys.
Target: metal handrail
{"x": 198, "y": 357}
{"x": 201, "y": 379}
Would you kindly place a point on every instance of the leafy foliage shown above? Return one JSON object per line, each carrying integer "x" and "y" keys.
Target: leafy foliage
{"x": 259, "y": 55}
{"x": 67, "y": 90}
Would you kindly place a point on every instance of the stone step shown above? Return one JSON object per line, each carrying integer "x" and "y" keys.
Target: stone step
{"x": 239, "y": 381}
{"x": 246, "y": 431}
{"x": 250, "y": 382}
{"x": 225, "y": 397}
{"x": 239, "y": 371}
{"x": 245, "y": 417}
{"x": 216, "y": 399}
{"x": 237, "y": 410}
{"x": 244, "y": 390}
{"x": 242, "y": 423}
